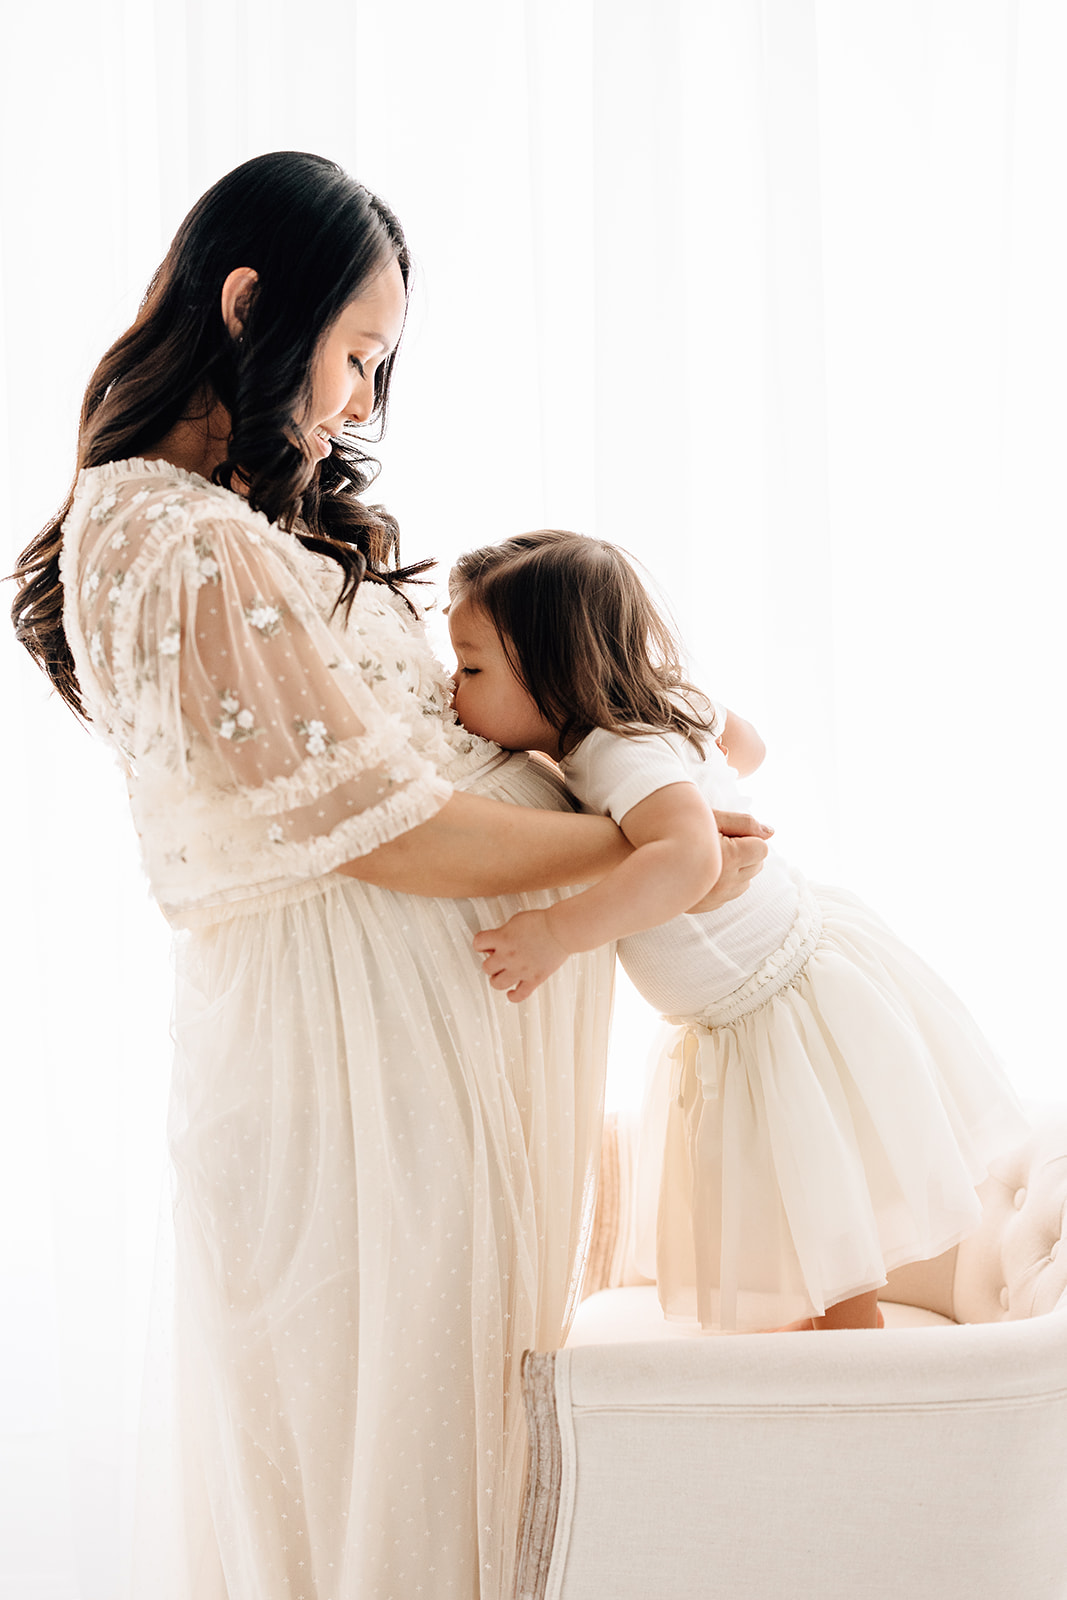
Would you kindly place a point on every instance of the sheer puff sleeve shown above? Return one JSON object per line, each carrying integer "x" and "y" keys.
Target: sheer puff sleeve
{"x": 257, "y": 753}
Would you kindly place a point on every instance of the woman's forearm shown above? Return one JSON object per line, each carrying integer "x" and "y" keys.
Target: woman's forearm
{"x": 475, "y": 846}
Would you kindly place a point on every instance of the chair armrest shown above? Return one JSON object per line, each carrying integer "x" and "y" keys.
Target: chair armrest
{"x": 885, "y": 1463}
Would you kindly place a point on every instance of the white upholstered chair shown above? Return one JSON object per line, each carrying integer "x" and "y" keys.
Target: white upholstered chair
{"x": 927, "y": 1461}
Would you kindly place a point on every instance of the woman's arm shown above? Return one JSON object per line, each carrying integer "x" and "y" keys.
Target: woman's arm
{"x": 676, "y": 851}
{"x": 475, "y": 846}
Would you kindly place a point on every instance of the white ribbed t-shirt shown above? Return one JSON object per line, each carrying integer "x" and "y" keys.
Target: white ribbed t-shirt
{"x": 692, "y": 962}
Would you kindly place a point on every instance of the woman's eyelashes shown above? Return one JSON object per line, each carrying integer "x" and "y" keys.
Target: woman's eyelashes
{"x": 354, "y": 361}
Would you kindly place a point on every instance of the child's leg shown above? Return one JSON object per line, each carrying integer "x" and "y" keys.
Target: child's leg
{"x": 852, "y": 1313}
{"x": 861, "y": 1311}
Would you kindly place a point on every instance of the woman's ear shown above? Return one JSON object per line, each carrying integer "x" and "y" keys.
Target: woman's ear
{"x": 238, "y": 292}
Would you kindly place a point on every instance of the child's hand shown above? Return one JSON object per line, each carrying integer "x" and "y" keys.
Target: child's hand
{"x": 520, "y": 955}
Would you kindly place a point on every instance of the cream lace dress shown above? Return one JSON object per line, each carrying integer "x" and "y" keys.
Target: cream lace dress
{"x": 384, "y": 1169}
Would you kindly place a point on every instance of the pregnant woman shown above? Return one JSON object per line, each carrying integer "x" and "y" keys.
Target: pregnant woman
{"x": 384, "y": 1170}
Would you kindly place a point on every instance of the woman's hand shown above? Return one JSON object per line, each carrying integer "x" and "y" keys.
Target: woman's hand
{"x": 744, "y": 850}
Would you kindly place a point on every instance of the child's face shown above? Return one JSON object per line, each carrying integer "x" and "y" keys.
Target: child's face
{"x": 489, "y": 698}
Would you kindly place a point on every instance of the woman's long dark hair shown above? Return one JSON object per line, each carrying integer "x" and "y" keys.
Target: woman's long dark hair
{"x": 582, "y": 634}
{"x": 315, "y": 238}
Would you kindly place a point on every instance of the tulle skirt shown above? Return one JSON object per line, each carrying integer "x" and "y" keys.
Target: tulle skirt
{"x": 824, "y": 1125}
{"x": 384, "y": 1172}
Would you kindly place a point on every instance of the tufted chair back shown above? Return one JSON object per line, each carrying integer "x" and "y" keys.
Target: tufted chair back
{"x": 1015, "y": 1264}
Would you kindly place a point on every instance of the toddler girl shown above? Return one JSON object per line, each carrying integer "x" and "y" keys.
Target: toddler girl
{"x": 829, "y": 1104}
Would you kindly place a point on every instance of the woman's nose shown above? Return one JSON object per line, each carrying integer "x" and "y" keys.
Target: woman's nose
{"x": 361, "y": 400}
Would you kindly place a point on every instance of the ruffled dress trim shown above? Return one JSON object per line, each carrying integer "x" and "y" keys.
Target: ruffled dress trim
{"x": 320, "y": 857}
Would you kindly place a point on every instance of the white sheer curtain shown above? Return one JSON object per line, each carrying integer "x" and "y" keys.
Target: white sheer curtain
{"x": 771, "y": 293}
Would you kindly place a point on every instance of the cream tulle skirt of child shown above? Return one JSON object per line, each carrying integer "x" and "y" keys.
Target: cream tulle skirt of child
{"x": 824, "y": 1124}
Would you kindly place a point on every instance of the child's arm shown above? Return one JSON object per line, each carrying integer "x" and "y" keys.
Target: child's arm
{"x": 741, "y": 745}
{"x": 677, "y": 859}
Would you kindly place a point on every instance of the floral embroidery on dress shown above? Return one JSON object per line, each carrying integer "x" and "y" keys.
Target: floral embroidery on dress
{"x": 202, "y": 566}
{"x": 167, "y": 509}
{"x": 318, "y": 739}
{"x": 265, "y": 617}
{"x": 103, "y": 508}
{"x": 276, "y": 833}
{"x": 119, "y": 540}
{"x": 235, "y": 723}
{"x": 171, "y": 642}
{"x": 114, "y": 594}
{"x": 371, "y": 669}
{"x": 435, "y": 703}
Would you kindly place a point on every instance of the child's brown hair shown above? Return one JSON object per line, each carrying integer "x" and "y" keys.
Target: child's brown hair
{"x": 581, "y": 634}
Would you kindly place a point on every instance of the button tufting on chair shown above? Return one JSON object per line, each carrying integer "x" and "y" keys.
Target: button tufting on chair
{"x": 1019, "y": 1199}
{"x": 1004, "y": 1298}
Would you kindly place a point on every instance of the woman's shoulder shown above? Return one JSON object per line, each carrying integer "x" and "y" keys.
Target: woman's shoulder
{"x": 130, "y": 518}
{"x": 157, "y": 499}
{"x": 146, "y": 535}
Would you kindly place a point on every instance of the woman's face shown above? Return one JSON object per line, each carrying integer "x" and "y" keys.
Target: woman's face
{"x": 350, "y": 353}
{"x": 489, "y": 699}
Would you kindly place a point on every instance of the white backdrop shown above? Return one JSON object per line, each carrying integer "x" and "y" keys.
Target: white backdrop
{"x": 771, "y": 292}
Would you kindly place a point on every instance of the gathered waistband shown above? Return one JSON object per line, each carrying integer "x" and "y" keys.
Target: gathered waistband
{"x": 693, "y": 1054}
{"x": 195, "y": 917}
{"x": 775, "y": 974}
